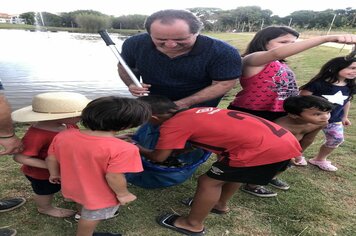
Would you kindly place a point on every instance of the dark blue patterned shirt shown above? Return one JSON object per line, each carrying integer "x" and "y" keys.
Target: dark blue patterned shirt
{"x": 176, "y": 78}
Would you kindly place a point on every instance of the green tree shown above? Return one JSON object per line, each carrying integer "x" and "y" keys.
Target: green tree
{"x": 93, "y": 23}
{"x": 29, "y": 17}
{"x": 303, "y": 19}
{"x": 208, "y": 16}
{"x": 135, "y": 21}
{"x": 48, "y": 19}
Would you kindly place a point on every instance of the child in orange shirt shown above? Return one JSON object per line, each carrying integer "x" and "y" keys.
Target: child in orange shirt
{"x": 91, "y": 164}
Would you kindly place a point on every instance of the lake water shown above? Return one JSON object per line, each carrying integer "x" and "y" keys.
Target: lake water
{"x": 37, "y": 62}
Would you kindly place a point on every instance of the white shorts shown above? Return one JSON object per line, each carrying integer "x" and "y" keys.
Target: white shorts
{"x": 99, "y": 214}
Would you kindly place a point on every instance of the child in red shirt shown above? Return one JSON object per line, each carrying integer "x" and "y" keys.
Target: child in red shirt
{"x": 51, "y": 113}
{"x": 249, "y": 149}
{"x": 91, "y": 164}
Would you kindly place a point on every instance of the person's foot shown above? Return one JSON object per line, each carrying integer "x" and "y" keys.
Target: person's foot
{"x": 277, "y": 183}
{"x": 105, "y": 234}
{"x": 57, "y": 212}
{"x": 323, "y": 165}
{"x": 258, "y": 191}
{"x": 299, "y": 161}
{"x": 218, "y": 209}
{"x": 169, "y": 220}
{"x": 8, "y": 232}
{"x": 11, "y": 204}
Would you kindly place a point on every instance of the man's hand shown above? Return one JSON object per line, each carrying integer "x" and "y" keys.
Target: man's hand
{"x": 139, "y": 92}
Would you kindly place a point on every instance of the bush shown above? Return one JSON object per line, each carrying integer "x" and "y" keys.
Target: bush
{"x": 93, "y": 23}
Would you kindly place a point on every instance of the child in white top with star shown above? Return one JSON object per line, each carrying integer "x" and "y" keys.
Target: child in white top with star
{"x": 49, "y": 114}
{"x": 336, "y": 83}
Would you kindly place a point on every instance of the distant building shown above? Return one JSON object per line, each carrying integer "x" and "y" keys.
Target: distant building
{"x": 11, "y": 19}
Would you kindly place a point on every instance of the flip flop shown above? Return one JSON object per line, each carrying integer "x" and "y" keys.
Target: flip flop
{"x": 167, "y": 221}
{"x": 189, "y": 201}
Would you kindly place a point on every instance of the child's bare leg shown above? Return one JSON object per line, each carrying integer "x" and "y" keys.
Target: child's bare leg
{"x": 207, "y": 195}
{"x": 324, "y": 152}
{"x": 86, "y": 227}
{"x": 44, "y": 206}
{"x": 228, "y": 190}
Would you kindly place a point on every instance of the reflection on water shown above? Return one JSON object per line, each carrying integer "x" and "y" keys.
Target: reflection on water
{"x": 37, "y": 62}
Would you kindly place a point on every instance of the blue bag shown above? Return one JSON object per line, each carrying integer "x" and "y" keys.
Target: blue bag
{"x": 156, "y": 175}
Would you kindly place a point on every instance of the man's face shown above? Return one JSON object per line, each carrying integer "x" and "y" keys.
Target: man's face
{"x": 174, "y": 38}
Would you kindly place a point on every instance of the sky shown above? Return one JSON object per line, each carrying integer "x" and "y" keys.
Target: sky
{"x": 119, "y": 7}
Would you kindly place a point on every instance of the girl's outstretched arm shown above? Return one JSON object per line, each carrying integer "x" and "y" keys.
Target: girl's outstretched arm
{"x": 282, "y": 52}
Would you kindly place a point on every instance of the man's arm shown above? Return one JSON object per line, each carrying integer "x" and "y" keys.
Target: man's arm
{"x": 118, "y": 184}
{"x": 9, "y": 142}
{"x": 215, "y": 90}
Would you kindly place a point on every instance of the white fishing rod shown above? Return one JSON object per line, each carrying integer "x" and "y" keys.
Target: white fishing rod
{"x": 105, "y": 36}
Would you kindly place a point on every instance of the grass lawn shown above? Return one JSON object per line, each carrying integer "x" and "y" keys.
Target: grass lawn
{"x": 318, "y": 202}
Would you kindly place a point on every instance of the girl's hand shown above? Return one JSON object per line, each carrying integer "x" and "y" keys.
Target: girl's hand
{"x": 344, "y": 38}
{"x": 346, "y": 122}
{"x": 55, "y": 179}
{"x": 125, "y": 198}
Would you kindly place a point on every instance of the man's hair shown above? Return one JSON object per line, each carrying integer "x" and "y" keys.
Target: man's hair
{"x": 159, "y": 104}
{"x": 296, "y": 104}
{"x": 115, "y": 113}
{"x": 170, "y": 15}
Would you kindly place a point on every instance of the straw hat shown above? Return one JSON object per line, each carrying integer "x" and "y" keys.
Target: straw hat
{"x": 52, "y": 106}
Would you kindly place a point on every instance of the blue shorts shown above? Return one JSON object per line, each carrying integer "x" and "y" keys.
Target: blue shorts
{"x": 43, "y": 186}
{"x": 260, "y": 175}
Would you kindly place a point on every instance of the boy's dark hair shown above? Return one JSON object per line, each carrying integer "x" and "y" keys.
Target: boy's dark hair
{"x": 296, "y": 104}
{"x": 115, "y": 113}
{"x": 159, "y": 104}
{"x": 329, "y": 72}
{"x": 262, "y": 37}
{"x": 170, "y": 15}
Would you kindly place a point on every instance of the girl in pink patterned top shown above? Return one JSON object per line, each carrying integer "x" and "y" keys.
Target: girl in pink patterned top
{"x": 267, "y": 81}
